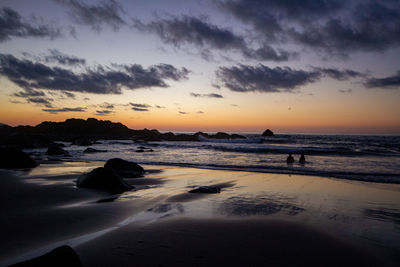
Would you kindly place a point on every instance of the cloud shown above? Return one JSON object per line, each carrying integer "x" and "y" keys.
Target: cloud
{"x": 63, "y": 59}
{"x": 103, "y": 112}
{"x": 31, "y": 75}
{"x": 107, "y": 105}
{"x": 212, "y": 95}
{"x": 70, "y": 95}
{"x": 341, "y": 75}
{"x": 200, "y": 33}
{"x": 346, "y": 91}
{"x": 41, "y": 101}
{"x": 335, "y": 27}
{"x": 107, "y": 13}
{"x": 140, "y": 107}
{"x": 27, "y": 92}
{"x": 157, "y": 106}
{"x": 391, "y": 82}
{"x": 57, "y": 110}
{"x": 12, "y": 25}
{"x": 183, "y": 112}
{"x": 200, "y": 112}
{"x": 245, "y": 78}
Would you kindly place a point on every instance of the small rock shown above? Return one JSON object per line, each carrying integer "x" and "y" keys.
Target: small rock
{"x": 124, "y": 168}
{"x": 56, "y": 150}
{"x": 92, "y": 150}
{"x": 103, "y": 179}
{"x": 268, "y": 132}
{"x": 206, "y": 189}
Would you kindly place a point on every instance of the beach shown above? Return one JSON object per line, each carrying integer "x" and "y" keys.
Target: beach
{"x": 256, "y": 219}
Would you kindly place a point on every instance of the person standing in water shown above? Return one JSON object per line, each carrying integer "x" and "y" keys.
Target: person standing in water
{"x": 302, "y": 159}
{"x": 290, "y": 159}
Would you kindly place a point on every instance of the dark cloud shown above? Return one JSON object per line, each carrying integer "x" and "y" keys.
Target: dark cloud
{"x": 100, "y": 80}
{"x": 27, "y": 92}
{"x": 107, "y": 13}
{"x": 12, "y": 25}
{"x": 244, "y": 78}
{"x": 200, "y": 112}
{"x": 140, "y": 109}
{"x": 41, "y": 101}
{"x": 336, "y": 27}
{"x": 391, "y": 82}
{"x": 107, "y": 105}
{"x": 197, "y": 31}
{"x": 63, "y": 59}
{"x": 212, "y": 95}
{"x": 340, "y": 75}
{"x": 183, "y": 112}
{"x": 70, "y": 95}
{"x": 104, "y": 112}
{"x": 157, "y": 106}
{"x": 57, "y": 110}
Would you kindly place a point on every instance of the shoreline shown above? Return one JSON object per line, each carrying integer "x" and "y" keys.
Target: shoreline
{"x": 45, "y": 207}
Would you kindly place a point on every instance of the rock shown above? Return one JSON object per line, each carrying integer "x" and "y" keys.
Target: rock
{"x": 55, "y": 150}
{"x": 139, "y": 151}
{"x": 11, "y": 157}
{"x": 82, "y": 142}
{"x": 124, "y": 168}
{"x": 104, "y": 179}
{"x": 206, "y": 189}
{"x": 92, "y": 150}
{"x": 62, "y": 256}
{"x": 27, "y": 140}
{"x": 268, "y": 132}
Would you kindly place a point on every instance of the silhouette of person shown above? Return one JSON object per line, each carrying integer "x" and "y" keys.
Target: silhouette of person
{"x": 290, "y": 159}
{"x": 302, "y": 159}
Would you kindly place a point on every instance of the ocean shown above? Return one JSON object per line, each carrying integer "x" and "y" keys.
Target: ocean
{"x": 354, "y": 157}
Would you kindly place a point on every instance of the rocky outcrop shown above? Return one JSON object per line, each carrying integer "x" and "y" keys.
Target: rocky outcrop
{"x": 206, "y": 190}
{"x": 268, "y": 132}
{"x": 104, "y": 179}
{"x": 62, "y": 256}
{"x": 27, "y": 140}
{"x": 124, "y": 168}
{"x": 11, "y": 157}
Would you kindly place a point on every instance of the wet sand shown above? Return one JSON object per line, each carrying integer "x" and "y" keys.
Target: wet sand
{"x": 257, "y": 219}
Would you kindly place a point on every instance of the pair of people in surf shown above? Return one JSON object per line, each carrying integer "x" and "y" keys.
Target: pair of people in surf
{"x": 290, "y": 159}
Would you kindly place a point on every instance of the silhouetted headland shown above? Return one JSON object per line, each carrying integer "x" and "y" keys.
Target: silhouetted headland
{"x": 86, "y": 132}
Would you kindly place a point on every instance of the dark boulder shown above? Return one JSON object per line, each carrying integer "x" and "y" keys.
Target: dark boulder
{"x": 206, "y": 190}
{"x": 103, "y": 179}
{"x": 268, "y": 132}
{"x": 93, "y": 150}
{"x": 124, "y": 168}
{"x": 55, "y": 150}
{"x": 27, "y": 140}
{"x": 139, "y": 151}
{"x": 82, "y": 142}
{"x": 11, "y": 157}
{"x": 62, "y": 256}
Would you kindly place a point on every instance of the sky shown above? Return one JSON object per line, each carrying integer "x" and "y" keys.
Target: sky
{"x": 312, "y": 66}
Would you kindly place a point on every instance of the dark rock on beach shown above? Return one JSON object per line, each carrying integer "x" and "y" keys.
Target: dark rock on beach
{"x": 268, "y": 132}
{"x": 55, "y": 150}
{"x": 82, "y": 142}
{"x": 104, "y": 179}
{"x": 27, "y": 140}
{"x": 206, "y": 190}
{"x": 124, "y": 168}
{"x": 11, "y": 157}
{"x": 93, "y": 150}
{"x": 63, "y": 256}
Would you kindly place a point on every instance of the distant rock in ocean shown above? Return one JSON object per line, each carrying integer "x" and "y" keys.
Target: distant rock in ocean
{"x": 268, "y": 132}
{"x": 11, "y": 157}
{"x": 93, "y": 150}
{"x": 124, "y": 168}
{"x": 104, "y": 179}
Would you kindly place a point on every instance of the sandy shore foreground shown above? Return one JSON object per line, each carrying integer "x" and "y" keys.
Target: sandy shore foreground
{"x": 257, "y": 219}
